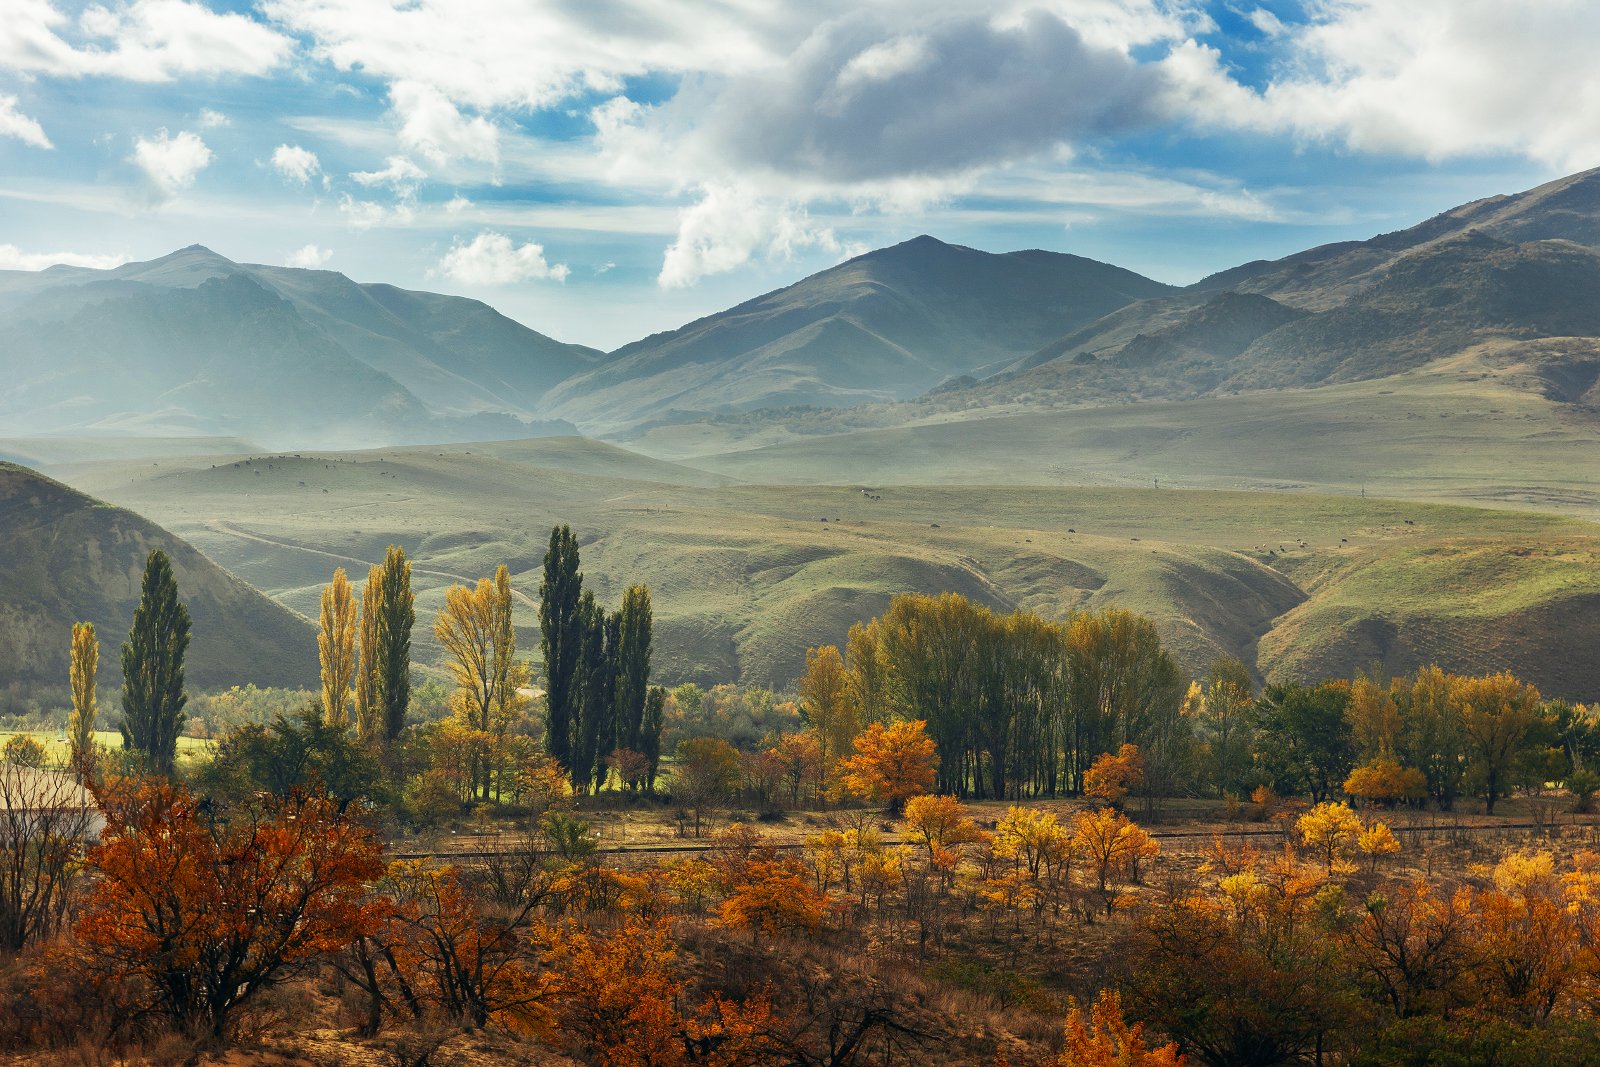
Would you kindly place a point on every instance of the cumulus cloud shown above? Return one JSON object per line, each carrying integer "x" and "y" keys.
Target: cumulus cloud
{"x": 492, "y": 259}
{"x": 210, "y": 120}
{"x": 434, "y": 127}
{"x": 13, "y": 123}
{"x": 14, "y": 258}
{"x": 146, "y": 40}
{"x": 398, "y": 173}
{"x": 171, "y": 164}
{"x": 296, "y": 164}
{"x": 729, "y": 226}
{"x": 310, "y": 257}
{"x": 1429, "y": 78}
{"x": 366, "y": 214}
{"x": 854, "y": 103}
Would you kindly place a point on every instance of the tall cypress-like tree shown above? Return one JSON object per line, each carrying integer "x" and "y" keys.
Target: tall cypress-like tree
{"x": 336, "y": 648}
{"x": 81, "y": 674}
{"x": 655, "y": 717}
{"x": 152, "y": 667}
{"x": 633, "y": 665}
{"x": 397, "y": 613}
{"x": 562, "y": 640}
{"x": 369, "y": 709}
{"x": 594, "y": 686}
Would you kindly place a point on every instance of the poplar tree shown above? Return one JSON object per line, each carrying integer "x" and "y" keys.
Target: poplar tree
{"x": 85, "y": 663}
{"x": 594, "y": 685}
{"x": 397, "y": 613}
{"x": 561, "y": 641}
{"x": 633, "y": 666}
{"x": 655, "y": 717}
{"x": 369, "y": 711}
{"x": 336, "y": 648}
{"x": 152, "y": 668}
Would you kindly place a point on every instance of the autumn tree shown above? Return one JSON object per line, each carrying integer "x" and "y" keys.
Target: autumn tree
{"x": 1111, "y": 777}
{"x": 85, "y": 662}
{"x": 152, "y": 668}
{"x": 618, "y": 1000}
{"x": 706, "y": 770}
{"x": 826, "y": 705}
{"x": 562, "y": 638}
{"x": 1383, "y": 781}
{"x": 475, "y": 630}
{"x": 1123, "y": 688}
{"x": 336, "y": 647}
{"x": 1329, "y": 830}
{"x": 1102, "y": 1037}
{"x": 202, "y": 913}
{"x": 891, "y": 764}
{"x": 1496, "y": 714}
{"x": 1223, "y": 713}
{"x": 939, "y": 824}
{"x": 1112, "y": 845}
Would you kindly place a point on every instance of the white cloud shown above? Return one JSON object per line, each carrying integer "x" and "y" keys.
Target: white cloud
{"x": 433, "y": 126}
{"x": 13, "y": 123}
{"x": 729, "y": 226}
{"x": 492, "y": 259}
{"x": 365, "y": 214}
{"x": 170, "y": 164}
{"x": 210, "y": 120}
{"x": 399, "y": 174}
{"x": 310, "y": 257}
{"x": 145, "y": 40}
{"x": 14, "y": 258}
{"x": 457, "y": 204}
{"x": 1429, "y": 78}
{"x": 296, "y": 164}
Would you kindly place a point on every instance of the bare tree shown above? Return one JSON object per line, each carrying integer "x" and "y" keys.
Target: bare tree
{"x": 44, "y": 818}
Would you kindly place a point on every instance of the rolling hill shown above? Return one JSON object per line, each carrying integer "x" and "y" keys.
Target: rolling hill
{"x": 747, "y": 577}
{"x": 194, "y": 343}
{"x": 70, "y": 558}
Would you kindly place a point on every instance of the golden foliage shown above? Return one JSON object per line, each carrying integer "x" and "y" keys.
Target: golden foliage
{"x": 892, "y": 763}
{"x": 336, "y": 648}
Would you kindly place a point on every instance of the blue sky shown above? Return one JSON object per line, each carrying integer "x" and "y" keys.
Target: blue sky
{"x": 603, "y": 169}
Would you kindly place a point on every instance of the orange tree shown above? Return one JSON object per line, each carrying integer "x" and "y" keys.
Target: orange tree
{"x": 201, "y": 913}
{"x": 892, "y": 763}
{"x": 1101, "y": 1037}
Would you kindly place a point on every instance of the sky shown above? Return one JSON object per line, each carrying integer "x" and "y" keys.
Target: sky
{"x": 605, "y": 169}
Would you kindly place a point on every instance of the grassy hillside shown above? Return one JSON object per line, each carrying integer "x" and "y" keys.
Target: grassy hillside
{"x": 70, "y": 558}
{"x": 1480, "y": 428}
{"x": 746, "y": 577}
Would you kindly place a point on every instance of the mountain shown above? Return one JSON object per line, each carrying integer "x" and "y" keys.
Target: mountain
{"x": 887, "y": 325}
{"x": 193, "y": 343}
{"x": 1502, "y": 271}
{"x": 70, "y": 558}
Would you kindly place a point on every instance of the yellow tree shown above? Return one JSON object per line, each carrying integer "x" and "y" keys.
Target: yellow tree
{"x": 336, "y": 648}
{"x": 1112, "y": 845}
{"x": 1329, "y": 829}
{"x": 939, "y": 823}
{"x": 1496, "y": 715}
{"x": 475, "y": 631}
{"x": 85, "y": 662}
{"x": 892, "y": 763}
{"x": 826, "y": 703}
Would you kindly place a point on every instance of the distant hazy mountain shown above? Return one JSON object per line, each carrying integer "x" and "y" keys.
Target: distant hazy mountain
{"x": 1505, "y": 269}
{"x": 884, "y": 326}
{"x": 195, "y": 343}
{"x": 70, "y": 558}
